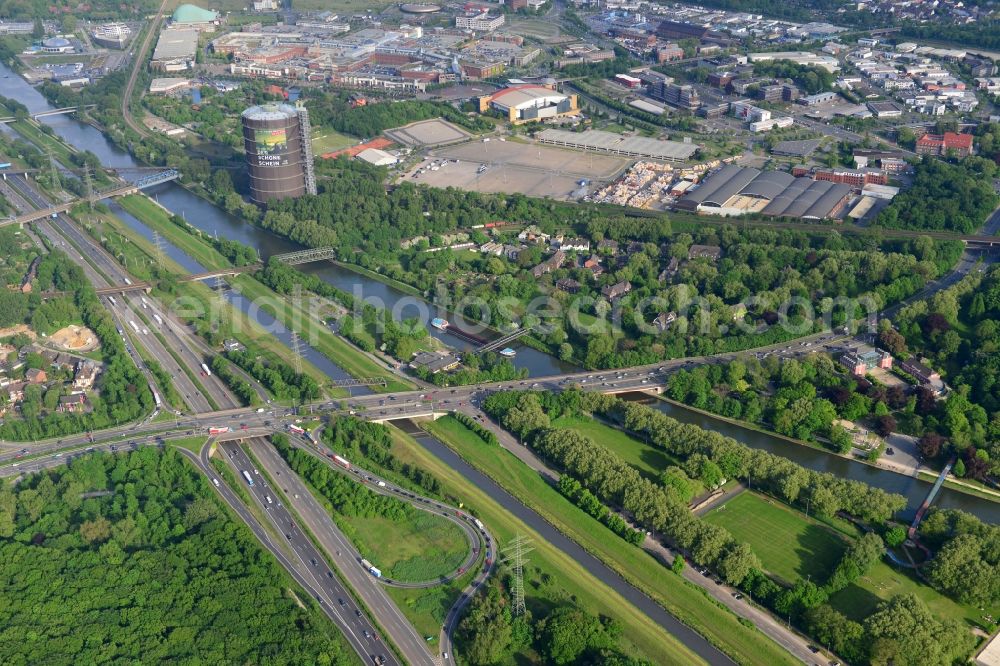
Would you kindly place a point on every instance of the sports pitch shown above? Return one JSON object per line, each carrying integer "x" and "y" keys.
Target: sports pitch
{"x": 789, "y": 545}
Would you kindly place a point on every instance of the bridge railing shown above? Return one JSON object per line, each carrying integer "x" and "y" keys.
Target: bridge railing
{"x": 306, "y": 256}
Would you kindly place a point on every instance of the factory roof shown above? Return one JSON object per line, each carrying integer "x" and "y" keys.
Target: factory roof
{"x": 797, "y": 148}
{"x": 623, "y": 145}
{"x": 787, "y": 196}
{"x": 176, "y": 44}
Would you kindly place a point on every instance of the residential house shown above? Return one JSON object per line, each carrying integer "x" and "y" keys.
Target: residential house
{"x": 549, "y": 265}
{"x": 533, "y": 235}
{"x": 86, "y": 373}
{"x": 664, "y": 320}
{"x": 15, "y": 391}
{"x": 512, "y": 252}
{"x": 577, "y": 244}
{"x": 608, "y": 245}
{"x": 232, "y": 345}
{"x": 75, "y": 403}
{"x": 496, "y": 249}
{"x": 35, "y": 376}
{"x": 615, "y": 291}
{"x": 63, "y": 361}
{"x": 669, "y": 271}
{"x": 569, "y": 285}
{"x": 712, "y": 252}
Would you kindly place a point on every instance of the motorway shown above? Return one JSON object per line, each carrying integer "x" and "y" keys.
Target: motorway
{"x": 103, "y": 270}
{"x": 347, "y": 558}
{"x": 309, "y": 561}
{"x": 320, "y": 587}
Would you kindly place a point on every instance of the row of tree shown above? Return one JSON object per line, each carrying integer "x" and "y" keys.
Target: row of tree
{"x": 354, "y": 437}
{"x": 240, "y": 387}
{"x": 574, "y": 491}
{"x": 278, "y": 377}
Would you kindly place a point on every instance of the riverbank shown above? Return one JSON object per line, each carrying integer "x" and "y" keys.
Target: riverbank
{"x": 925, "y": 475}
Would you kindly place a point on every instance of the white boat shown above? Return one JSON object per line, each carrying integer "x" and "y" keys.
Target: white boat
{"x": 439, "y": 323}
{"x": 508, "y": 352}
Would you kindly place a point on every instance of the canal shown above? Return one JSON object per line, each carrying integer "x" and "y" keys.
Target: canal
{"x": 915, "y": 490}
{"x": 211, "y": 219}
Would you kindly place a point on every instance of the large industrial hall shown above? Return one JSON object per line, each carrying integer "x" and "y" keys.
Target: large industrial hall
{"x": 736, "y": 190}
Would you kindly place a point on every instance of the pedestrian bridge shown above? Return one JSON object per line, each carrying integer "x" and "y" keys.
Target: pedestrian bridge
{"x": 122, "y": 190}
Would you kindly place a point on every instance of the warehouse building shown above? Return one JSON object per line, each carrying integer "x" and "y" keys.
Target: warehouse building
{"x": 528, "y": 103}
{"x": 735, "y": 190}
{"x": 175, "y": 50}
{"x": 616, "y": 144}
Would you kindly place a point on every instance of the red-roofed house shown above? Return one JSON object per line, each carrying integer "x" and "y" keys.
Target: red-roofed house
{"x": 941, "y": 144}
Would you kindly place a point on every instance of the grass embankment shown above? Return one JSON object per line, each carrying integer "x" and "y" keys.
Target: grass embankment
{"x": 156, "y": 217}
{"x": 559, "y": 577}
{"x": 648, "y": 460}
{"x": 353, "y": 361}
{"x": 30, "y": 130}
{"x": 421, "y": 549}
{"x": 792, "y": 546}
{"x": 310, "y": 330}
{"x": 193, "y": 444}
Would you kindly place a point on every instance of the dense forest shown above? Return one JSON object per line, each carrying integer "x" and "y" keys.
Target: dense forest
{"x": 958, "y": 331}
{"x": 132, "y": 559}
{"x": 944, "y": 196}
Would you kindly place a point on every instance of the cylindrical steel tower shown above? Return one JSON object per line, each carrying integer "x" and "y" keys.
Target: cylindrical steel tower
{"x": 277, "y": 149}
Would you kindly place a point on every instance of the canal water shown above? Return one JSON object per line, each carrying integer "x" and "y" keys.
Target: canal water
{"x": 915, "y": 490}
{"x": 211, "y": 219}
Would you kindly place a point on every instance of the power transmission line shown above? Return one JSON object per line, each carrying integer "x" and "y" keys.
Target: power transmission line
{"x": 296, "y": 353}
{"x": 515, "y": 556}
